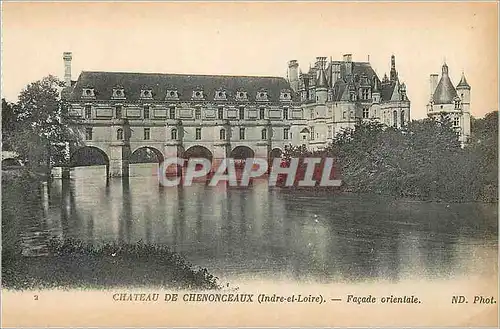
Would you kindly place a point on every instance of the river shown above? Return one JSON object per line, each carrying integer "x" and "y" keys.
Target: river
{"x": 262, "y": 232}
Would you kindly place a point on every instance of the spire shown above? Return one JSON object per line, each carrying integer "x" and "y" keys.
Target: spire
{"x": 463, "y": 83}
{"x": 444, "y": 69}
{"x": 322, "y": 82}
{"x": 445, "y": 93}
{"x": 375, "y": 84}
{"x": 394, "y": 73}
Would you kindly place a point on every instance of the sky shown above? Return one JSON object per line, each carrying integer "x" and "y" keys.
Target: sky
{"x": 255, "y": 38}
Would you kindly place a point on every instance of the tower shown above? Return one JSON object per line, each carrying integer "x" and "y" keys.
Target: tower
{"x": 67, "y": 56}
{"x": 463, "y": 91}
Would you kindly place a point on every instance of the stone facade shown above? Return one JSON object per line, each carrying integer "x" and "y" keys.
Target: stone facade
{"x": 228, "y": 116}
{"x": 335, "y": 95}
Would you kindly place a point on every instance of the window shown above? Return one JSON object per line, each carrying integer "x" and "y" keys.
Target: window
{"x": 402, "y": 118}
{"x": 457, "y": 105}
{"x": 119, "y": 134}
{"x": 198, "y": 133}
{"x": 88, "y": 134}
{"x": 222, "y": 134}
{"x": 366, "y": 113}
{"x": 285, "y": 133}
{"x": 366, "y": 93}
{"x": 197, "y": 113}
{"x": 171, "y": 113}
{"x": 344, "y": 115}
{"x": 261, "y": 114}
{"x": 242, "y": 113}
{"x": 220, "y": 113}
{"x": 88, "y": 111}
{"x": 329, "y": 131}
{"x": 395, "y": 118}
{"x": 312, "y": 114}
{"x": 147, "y": 133}
{"x": 263, "y": 133}
{"x": 242, "y": 133}
{"x": 312, "y": 133}
{"x": 173, "y": 134}
{"x": 456, "y": 122}
{"x": 146, "y": 112}
{"x": 118, "y": 111}
{"x": 285, "y": 113}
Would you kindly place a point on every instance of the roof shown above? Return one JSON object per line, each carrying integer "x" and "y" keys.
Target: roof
{"x": 463, "y": 83}
{"x": 322, "y": 79}
{"x": 104, "y": 82}
{"x": 361, "y": 69}
{"x": 444, "y": 93}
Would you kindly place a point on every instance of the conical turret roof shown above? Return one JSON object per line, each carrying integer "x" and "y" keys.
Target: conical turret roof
{"x": 445, "y": 93}
{"x": 463, "y": 83}
{"x": 322, "y": 82}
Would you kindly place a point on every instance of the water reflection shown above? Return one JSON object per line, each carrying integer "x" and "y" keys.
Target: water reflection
{"x": 264, "y": 232}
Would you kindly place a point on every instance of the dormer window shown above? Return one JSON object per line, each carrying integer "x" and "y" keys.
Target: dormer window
{"x": 285, "y": 95}
{"x": 146, "y": 93}
{"x": 197, "y": 94}
{"x": 262, "y": 95}
{"x": 241, "y": 95}
{"x": 220, "y": 95}
{"x": 88, "y": 92}
{"x": 118, "y": 93}
{"x": 172, "y": 94}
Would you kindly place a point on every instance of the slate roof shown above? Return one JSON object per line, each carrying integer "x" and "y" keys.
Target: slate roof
{"x": 445, "y": 93}
{"x": 463, "y": 83}
{"x": 104, "y": 82}
{"x": 359, "y": 69}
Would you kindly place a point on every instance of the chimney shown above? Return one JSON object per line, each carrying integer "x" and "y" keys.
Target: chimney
{"x": 348, "y": 64}
{"x": 293, "y": 74}
{"x": 67, "y": 56}
{"x": 347, "y": 58}
{"x": 433, "y": 85}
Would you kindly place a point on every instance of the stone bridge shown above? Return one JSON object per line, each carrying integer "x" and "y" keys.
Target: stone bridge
{"x": 117, "y": 155}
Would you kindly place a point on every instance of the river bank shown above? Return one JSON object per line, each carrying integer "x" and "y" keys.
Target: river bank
{"x": 71, "y": 264}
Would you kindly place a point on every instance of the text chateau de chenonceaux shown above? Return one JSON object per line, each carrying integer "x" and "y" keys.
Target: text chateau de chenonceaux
{"x": 215, "y": 116}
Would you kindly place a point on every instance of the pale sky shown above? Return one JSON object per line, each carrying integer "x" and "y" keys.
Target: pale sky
{"x": 255, "y": 39}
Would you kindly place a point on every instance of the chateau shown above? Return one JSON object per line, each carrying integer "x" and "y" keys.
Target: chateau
{"x": 453, "y": 102}
{"x": 228, "y": 116}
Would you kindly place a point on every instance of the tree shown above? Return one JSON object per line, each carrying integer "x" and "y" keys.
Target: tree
{"x": 8, "y": 123}
{"x": 40, "y": 125}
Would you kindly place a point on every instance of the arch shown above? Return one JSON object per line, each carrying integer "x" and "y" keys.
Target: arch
{"x": 276, "y": 153}
{"x": 395, "y": 118}
{"x": 242, "y": 152}
{"x": 88, "y": 156}
{"x": 146, "y": 154}
{"x": 198, "y": 151}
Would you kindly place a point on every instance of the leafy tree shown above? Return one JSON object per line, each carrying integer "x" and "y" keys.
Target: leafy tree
{"x": 40, "y": 124}
{"x": 8, "y": 123}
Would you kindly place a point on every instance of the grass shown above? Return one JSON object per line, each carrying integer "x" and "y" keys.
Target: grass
{"x": 71, "y": 264}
